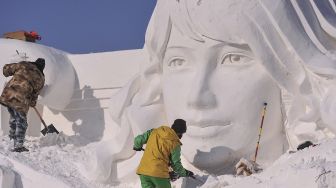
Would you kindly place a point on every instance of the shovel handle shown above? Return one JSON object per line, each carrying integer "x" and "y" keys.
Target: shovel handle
{"x": 39, "y": 115}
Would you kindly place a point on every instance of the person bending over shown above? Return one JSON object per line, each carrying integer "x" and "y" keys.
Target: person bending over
{"x": 163, "y": 149}
{"x": 19, "y": 94}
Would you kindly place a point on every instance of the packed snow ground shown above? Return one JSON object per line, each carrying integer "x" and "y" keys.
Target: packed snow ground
{"x": 53, "y": 162}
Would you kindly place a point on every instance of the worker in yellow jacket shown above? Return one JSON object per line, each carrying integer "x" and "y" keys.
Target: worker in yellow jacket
{"x": 163, "y": 149}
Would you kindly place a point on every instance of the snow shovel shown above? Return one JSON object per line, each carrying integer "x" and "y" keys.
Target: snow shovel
{"x": 47, "y": 129}
{"x": 197, "y": 179}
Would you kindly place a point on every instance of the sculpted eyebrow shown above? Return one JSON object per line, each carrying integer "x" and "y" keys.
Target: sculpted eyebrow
{"x": 232, "y": 46}
{"x": 245, "y": 47}
{"x": 181, "y": 50}
{"x": 179, "y": 47}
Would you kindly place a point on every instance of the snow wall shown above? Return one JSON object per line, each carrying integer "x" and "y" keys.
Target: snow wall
{"x": 77, "y": 87}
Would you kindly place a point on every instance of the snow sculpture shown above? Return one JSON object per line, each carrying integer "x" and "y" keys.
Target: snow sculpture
{"x": 214, "y": 63}
{"x": 60, "y": 75}
{"x": 7, "y": 175}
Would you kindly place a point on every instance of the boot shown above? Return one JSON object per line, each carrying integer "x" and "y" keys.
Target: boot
{"x": 20, "y": 149}
{"x": 11, "y": 137}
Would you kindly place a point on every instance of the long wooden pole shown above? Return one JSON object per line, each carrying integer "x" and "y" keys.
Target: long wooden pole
{"x": 260, "y": 131}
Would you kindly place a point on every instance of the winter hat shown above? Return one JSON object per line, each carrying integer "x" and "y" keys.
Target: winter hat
{"x": 40, "y": 63}
{"x": 179, "y": 126}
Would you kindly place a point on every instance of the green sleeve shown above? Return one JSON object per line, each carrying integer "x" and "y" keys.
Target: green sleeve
{"x": 176, "y": 162}
{"x": 141, "y": 139}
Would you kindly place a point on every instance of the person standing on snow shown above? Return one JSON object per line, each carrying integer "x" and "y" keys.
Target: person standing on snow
{"x": 163, "y": 148}
{"x": 19, "y": 94}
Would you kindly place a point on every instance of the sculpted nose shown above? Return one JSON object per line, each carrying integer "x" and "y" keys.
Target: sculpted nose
{"x": 200, "y": 95}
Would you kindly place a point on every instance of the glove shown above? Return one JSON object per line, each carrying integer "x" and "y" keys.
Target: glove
{"x": 246, "y": 167}
{"x": 173, "y": 176}
{"x": 33, "y": 99}
{"x": 32, "y": 103}
{"x": 189, "y": 173}
{"x": 137, "y": 149}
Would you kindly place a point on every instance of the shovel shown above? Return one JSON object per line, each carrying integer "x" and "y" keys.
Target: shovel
{"x": 47, "y": 129}
{"x": 197, "y": 179}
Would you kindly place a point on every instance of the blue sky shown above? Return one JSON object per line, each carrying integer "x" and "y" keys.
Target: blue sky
{"x": 80, "y": 26}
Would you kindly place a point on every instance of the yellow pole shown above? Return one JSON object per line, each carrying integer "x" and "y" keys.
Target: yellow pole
{"x": 260, "y": 130}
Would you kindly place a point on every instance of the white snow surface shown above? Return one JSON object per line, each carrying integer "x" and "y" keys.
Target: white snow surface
{"x": 52, "y": 162}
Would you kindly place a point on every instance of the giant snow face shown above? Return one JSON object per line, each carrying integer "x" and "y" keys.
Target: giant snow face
{"x": 219, "y": 89}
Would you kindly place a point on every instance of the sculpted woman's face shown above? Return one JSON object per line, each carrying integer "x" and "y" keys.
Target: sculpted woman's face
{"x": 219, "y": 89}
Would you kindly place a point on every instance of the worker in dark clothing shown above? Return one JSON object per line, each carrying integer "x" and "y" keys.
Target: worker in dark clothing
{"x": 20, "y": 93}
{"x": 163, "y": 148}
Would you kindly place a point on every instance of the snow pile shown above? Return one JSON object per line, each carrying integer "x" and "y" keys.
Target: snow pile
{"x": 7, "y": 175}
{"x": 311, "y": 167}
{"x": 53, "y": 162}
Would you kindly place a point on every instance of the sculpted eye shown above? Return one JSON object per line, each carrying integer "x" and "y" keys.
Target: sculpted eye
{"x": 176, "y": 62}
{"x": 232, "y": 59}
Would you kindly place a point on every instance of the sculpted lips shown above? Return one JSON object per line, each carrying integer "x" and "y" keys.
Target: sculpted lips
{"x": 207, "y": 128}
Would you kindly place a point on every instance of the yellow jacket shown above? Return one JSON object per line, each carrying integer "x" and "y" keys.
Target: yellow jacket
{"x": 161, "y": 143}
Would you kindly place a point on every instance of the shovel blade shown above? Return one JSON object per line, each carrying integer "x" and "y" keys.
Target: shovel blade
{"x": 49, "y": 129}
